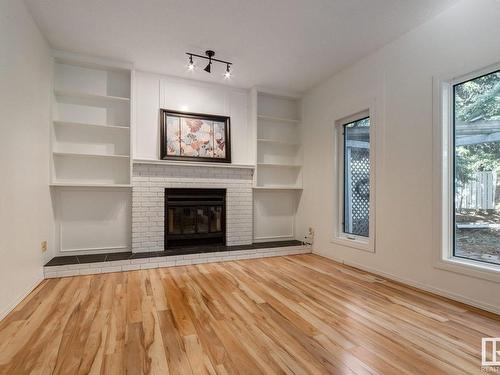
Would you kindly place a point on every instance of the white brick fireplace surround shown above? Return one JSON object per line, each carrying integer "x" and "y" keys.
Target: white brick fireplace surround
{"x": 148, "y": 193}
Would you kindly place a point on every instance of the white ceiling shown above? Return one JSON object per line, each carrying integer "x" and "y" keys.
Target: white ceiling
{"x": 282, "y": 44}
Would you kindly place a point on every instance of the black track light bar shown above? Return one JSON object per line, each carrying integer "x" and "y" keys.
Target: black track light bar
{"x": 209, "y": 56}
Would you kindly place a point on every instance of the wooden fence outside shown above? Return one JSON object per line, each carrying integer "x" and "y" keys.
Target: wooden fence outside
{"x": 479, "y": 193}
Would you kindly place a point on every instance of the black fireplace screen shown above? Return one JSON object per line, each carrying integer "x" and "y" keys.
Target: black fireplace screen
{"x": 195, "y": 217}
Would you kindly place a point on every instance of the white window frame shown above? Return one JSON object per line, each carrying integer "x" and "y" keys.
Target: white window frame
{"x": 443, "y": 205}
{"x": 339, "y": 236}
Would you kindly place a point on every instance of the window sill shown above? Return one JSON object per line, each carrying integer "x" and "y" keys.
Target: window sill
{"x": 356, "y": 243}
{"x": 470, "y": 268}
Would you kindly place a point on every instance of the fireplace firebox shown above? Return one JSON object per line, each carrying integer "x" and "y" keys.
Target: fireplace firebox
{"x": 195, "y": 217}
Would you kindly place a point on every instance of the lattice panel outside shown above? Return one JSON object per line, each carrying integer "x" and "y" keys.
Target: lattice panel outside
{"x": 358, "y": 202}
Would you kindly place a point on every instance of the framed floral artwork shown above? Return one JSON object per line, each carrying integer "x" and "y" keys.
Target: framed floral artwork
{"x": 194, "y": 137}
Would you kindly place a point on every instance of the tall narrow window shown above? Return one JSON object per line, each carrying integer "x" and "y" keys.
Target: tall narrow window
{"x": 356, "y": 218}
{"x": 476, "y": 119}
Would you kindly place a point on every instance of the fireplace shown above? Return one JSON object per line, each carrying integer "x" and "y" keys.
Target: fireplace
{"x": 195, "y": 217}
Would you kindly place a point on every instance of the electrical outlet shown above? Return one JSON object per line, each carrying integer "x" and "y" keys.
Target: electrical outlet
{"x": 309, "y": 238}
{"x": 44, "y": 246}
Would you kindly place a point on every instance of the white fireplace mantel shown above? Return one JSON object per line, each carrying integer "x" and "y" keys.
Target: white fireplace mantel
{"x": 193, "y": 163}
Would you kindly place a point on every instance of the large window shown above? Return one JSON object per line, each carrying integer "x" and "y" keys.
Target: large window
{"x": 476, "y": 166}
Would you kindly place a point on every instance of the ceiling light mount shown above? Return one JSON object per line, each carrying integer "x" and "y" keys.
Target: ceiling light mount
{"x": 209, "y": 55}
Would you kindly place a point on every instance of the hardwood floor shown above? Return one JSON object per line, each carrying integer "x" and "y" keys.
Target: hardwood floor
{"x": 298, "y": 314}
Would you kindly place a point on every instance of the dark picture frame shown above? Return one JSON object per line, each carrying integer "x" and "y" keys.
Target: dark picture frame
{"x": 186, "y": 133}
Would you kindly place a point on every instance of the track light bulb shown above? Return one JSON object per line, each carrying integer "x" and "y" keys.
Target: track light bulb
{"x": 191, "y": 64}
{"x": 227, "y": 74}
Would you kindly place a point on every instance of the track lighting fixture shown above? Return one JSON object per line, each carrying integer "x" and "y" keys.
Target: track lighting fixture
{"x": 210, "y": 57}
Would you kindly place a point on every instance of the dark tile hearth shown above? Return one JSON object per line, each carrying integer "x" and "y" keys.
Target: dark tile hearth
{"x": 108, "y": 257}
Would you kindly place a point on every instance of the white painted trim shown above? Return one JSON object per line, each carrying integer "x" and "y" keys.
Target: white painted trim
{"x": 441, "y": 165}
{"x": 338, "y": 236}
{"x": 86, "y": 61}
{"x": 274, "y": 238}
{"x": 94, "y": 249}
{"x": 479, "y": 270}
{"x": 20, "y": 298}
{"x": 193, "y": 163}
{"x": 427, "y": 288}
{"x": 132, "y": 135}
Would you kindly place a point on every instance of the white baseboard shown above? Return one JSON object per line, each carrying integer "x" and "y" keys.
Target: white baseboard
{"x": 274, "y": 238}
{"x": 22, "y": 296}
{"x": 440, "y": 292}
{"x": 95, "y": 250}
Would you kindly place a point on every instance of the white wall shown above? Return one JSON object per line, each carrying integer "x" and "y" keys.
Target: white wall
{"x": 154, "y": 91}
{"x": 25, "y": 213}
{"x": 398, "y": 78}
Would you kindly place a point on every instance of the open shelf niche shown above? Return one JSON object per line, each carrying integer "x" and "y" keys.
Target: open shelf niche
{"x": 91, "y": 146}
{"x": 278, "y": 176}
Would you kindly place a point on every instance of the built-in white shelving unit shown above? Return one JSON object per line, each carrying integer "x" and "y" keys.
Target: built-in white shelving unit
{"x": 91, "y": 124}
{"x": 91, "y": 154}
{"x": 278, "y": 175}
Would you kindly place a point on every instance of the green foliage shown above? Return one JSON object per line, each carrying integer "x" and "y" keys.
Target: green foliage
{"x": 477, "y": 101}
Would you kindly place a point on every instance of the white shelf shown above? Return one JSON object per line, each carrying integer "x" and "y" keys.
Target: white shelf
{"x": 278, "y": 141}
{"x": 277, "y": 165}
{"x": 91, "y": 97}
{"x": 193, "y": 163}
{"x": 278, "y": 119}
{"x": 78, "y": 154}
{"x": 89, "y": 125}
{"x": 277, "y": 188}
{"x": 72, "y": 184}
{"x": 278, "y": 177}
